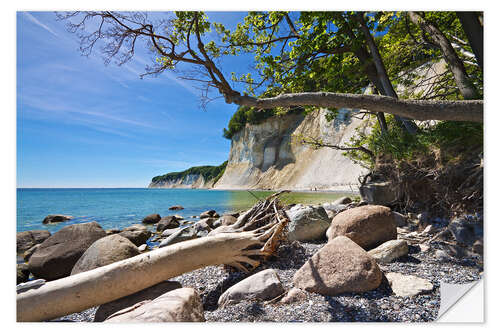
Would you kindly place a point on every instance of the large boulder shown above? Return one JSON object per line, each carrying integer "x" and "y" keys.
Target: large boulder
{"x": 177, "y": 207}
{"x": 56, "y": 218}
{"x": 27, "y": 239}
{"x": 28, "y": 253}
{"x": 261, "y": 286}
{"x": 341, "y": 266}
{"x": 23, "y": 273}
{"x": 466, "y": 230}
{"x": 151, "y": 219}
{"x": 105, "y": 251}
{"x": 307, "y": 223}
{"x": 136, "y": 233}
{"x": 389, "y": 251}
{"x": 408, "y": 285}
{"x": 57, "y": 255}
{"x": 368, "y": 226}
{"x": 197, "y": 230}
{"x": 168, "y": 222}
{"x": 148, "y": 294}
{"x": 178, "y": 305}
{"x": 378, "y": 193}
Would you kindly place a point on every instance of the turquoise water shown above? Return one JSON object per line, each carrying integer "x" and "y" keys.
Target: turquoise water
{"x": 119, "y": 208}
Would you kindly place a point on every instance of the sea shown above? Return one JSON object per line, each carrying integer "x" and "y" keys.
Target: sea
{"x": 122, "y": 207}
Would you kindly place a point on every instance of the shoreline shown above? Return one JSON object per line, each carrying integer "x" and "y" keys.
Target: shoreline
{"x": 336, "y": 191}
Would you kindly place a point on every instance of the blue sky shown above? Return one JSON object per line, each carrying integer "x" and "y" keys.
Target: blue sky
{"x": 83, "y": 124}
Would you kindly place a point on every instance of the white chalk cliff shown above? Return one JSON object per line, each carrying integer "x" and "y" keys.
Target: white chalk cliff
{"x": 269, "y": 155}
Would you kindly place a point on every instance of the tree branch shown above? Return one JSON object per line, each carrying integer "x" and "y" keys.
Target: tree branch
{"x": 470, "y": 110}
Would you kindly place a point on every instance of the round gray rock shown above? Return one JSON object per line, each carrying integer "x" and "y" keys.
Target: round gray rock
{"x": 168, "y": 222}
{"x": 263, "y": 285}
{"x": 307, "y": 223}
{"x": 151, "y": 219}
{"x": 136, "y": 233}
{"x": 105, "y": 251}
{"x": 27, "y": 239}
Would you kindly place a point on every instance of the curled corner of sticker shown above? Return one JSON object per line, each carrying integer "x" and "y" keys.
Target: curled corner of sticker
{"x": 459, "y": 304}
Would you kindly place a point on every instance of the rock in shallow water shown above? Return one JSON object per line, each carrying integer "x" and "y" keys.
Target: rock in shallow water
{"x": 27, "y": 239}
{"x": 197, "y": 230}
{"x": 57, "y": 255}
{"x": 168, "y": 222}
{"x": 338, "y": 267}
{"x": 56, "y": 218}
{"x": 23, "y": 273}
{"x": 151, "y": 219}
{"x": 136, "y": 233}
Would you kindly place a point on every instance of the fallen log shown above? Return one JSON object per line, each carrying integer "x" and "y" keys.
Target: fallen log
{"x": 239, "y": 247}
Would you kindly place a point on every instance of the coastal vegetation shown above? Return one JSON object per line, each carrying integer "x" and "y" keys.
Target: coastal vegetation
{"x": 293, "y": 52}
{"x": 208, "y": 172}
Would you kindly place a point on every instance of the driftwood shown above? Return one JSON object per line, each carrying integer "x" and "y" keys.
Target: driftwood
{"x": 255, "y": 235}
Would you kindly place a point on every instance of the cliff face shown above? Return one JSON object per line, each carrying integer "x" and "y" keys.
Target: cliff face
{"x": 188, "y": 181}
{"x": 269, "y": 155}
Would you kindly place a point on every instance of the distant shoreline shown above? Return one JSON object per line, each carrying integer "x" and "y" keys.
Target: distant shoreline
{"x": 184, "y": 188}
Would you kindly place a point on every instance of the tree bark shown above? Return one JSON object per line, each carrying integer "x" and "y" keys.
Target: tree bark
{"x": 474, "y": 32}
{"x": 471, "y": 110}
{"x": 381, "y": 71}
{"x": 456, "y": 65}
{"x": 371, "y": 72}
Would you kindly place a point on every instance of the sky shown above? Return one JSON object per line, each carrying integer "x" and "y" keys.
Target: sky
{"x": 81, "y": 123}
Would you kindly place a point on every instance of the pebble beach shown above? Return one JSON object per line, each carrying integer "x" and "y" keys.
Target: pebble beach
{"x": 379, "y": 305}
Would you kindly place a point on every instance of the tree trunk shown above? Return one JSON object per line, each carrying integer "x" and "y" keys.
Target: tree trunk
{"x": 371, "y": 72}
{"x": 382, "y": 72}
{"x": 474, "y": 31}
{"x": 414, "y": 109}
{"x": 456, "y": 65}
{"x": 256, "y": 233}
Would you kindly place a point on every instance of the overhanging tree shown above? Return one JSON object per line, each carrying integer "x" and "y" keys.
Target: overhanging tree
{"x": 182, "y": 39}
